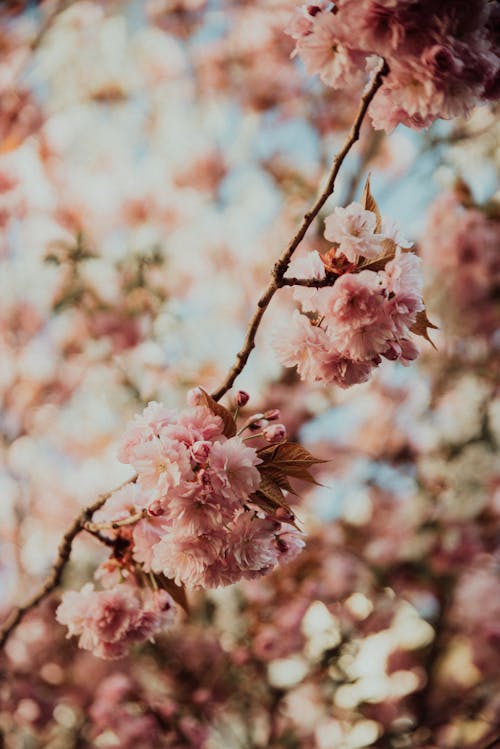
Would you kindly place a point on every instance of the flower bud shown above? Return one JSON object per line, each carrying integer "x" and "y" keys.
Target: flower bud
{"x": 162, "y": 601}
{"x": 273, "y": 414}
{"x": 241, "y": 398}
{"x": 256, "y": 422}
{"x": 275, "y": 433}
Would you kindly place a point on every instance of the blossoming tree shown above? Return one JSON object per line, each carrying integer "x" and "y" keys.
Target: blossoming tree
{"x": 130, "y": 276}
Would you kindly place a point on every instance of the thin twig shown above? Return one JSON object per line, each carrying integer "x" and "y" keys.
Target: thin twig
{"x": 55, "y": 575}
{"x": 100, "y": 537}
{"x": 81, "y": 522}
{"x": 283, "y": 262}
{"x": 115, "y": 524}
{"x": 312, "y": 283}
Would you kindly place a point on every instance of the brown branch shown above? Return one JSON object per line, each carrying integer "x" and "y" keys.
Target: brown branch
{"x": 82, "y": 521}
{"x": 100, "y": 537}
{"x": 54, "y": 578}
{"x": 115, "y": 524}
{"x": 283, "y": 262}
{"x": 311, "y": 283}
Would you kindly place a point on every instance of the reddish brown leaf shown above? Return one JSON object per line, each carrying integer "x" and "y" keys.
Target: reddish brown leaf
{"x": 369, "y": 204}
{"x": 388, "y": 253}
{"x": 422, "y": 325}
{"x": 219, "y": 410}
{"x": 178, "y": 592}
{"x": 271, "y": 506}
{"x": 271, "y": 490}
{"x": 269, "y": 471}
{"x": 291, "y": 459}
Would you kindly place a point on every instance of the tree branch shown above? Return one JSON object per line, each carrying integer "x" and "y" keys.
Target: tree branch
{"x": 82, "y": 521}
{"x": 115, "y": 524}
{"x": 55, "y": 575}
{"x": 311, "y": 283}
{"x": 281, "y": 266}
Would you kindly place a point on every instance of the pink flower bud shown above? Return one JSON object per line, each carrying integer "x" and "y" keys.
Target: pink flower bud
{"x": 275, "y": 433}
{"x": 201, "y": 450}
{"x": 273, "y": 414}
{"x": 155, "y": 508}
{"x": 194, "y": 397}
{"x": 241, "y": 398}
{"x": 284, "y": 515}
{"x": 256, "y": 422}
{"x": 256, "y": 426}
{"x": 162, "y": 601}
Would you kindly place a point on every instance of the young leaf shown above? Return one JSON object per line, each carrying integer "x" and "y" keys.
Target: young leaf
{"x": 271, "y": 491}
{"x": 389, "y": 248}
{"x": 178, "y": 592}
{"x": 291, "y": 459}
{"x": 421, "y": 326}
{"x": 218, "y": 410}
{"x": 270, "y": 505}
{"x": 369, "y": 204}
{"x": 269, "y": 471}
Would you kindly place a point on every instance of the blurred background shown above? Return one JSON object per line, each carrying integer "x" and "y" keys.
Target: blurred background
{"x": 155, "y": 158}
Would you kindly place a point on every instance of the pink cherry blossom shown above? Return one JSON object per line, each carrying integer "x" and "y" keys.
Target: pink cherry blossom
{"x": 290, "y": 543}
{"x": 354, "y": 229}
{"x": 233, "y": 472}
{"x": 144, "y": 428}
{"x": 252, "y": 544}
{"x": 343, "y": 371}
{"x": 307, "y": 266}
{"x": 185, "y": 559}
{"x": 161, "y": 464}
{"x": 146, "y": 533}
{"x": 109, "y": 621}
{"x": 302, "y": 345}
{"x": 322, "y": 52}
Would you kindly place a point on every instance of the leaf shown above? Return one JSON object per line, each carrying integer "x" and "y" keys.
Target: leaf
{"x": 270, "y": 506}
{"x": 370, "y": 204}
{"x": 421, "y": 325}
{"x": 269, "y": 471}
{"x": 178, "y": 592}
{"x": 271, "y": 490}
{"x": 291, "y": 459}
{"x": 218, "y": 410}
{"x": 389, "y": 248}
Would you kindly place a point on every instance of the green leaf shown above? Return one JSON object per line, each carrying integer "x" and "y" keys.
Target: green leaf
{"x": 421, "y": 326}
{"x": 218, "y": 410}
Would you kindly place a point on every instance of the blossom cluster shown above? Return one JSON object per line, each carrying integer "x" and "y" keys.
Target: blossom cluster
{"x": 110, "y": 621}
{"x": 193, "y": 517}
{"x": 195, "y": 485}
{"x": 460, "y": 251}
{"x": 343, "y": 330}
{"x": 443, "y": 57}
